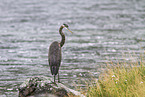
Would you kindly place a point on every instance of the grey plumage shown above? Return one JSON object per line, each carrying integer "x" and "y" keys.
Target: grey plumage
{"x": 54, "y": 57}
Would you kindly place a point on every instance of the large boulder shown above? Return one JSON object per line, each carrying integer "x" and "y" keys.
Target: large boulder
{"x": 45, "y": 87}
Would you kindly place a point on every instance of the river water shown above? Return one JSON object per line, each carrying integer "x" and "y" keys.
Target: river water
{"x": 104, "y": 30}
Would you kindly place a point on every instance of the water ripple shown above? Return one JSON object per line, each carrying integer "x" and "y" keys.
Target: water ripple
{"x": 103, "y": 31}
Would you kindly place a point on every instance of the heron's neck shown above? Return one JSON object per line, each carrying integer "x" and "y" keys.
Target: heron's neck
{"x": 62, "y": 36}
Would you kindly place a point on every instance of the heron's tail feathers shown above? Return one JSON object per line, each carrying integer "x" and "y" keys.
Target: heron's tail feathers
{"x": 54, "y": 70}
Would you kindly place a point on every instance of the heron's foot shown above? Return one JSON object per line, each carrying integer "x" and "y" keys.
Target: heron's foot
{"x": 54, "y": 83}
{"x": 58, "y": 81}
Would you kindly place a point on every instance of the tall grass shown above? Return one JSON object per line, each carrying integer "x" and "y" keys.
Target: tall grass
{"x": 120, "y": 81}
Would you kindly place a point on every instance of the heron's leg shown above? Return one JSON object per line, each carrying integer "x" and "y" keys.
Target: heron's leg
{"x": 58, "y": 78}
{"x": 54, "y": 78}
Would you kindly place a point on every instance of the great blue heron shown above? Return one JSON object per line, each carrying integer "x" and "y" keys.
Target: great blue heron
{"x": 54, "y": 55}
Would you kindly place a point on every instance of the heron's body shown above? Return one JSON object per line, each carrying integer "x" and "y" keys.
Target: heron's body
{"x": 54, "y": 55}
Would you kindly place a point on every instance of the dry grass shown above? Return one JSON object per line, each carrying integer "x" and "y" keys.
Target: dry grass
{"x": 120, "y": 81}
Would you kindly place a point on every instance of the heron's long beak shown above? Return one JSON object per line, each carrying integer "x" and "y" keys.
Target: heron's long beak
{"x": 69, "y": 30}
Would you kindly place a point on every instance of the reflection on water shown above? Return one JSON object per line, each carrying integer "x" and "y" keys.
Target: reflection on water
{"x": 103, "y": 31}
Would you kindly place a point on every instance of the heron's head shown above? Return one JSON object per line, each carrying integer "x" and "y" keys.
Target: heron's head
{"x": 66, "y": 26}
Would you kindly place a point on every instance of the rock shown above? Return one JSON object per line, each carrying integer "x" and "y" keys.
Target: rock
{"x": 44, "y": 87}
